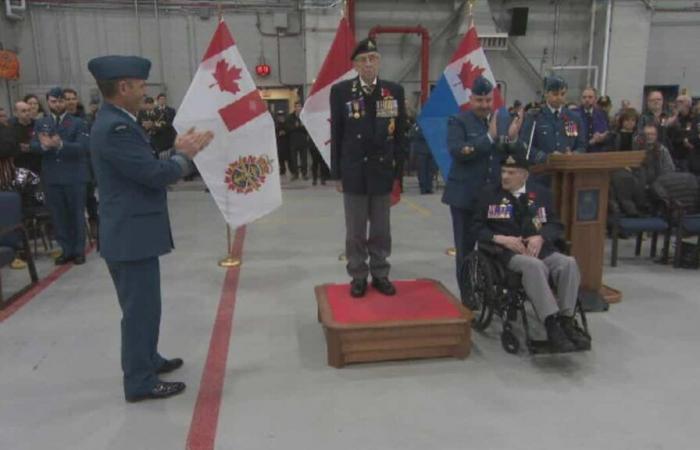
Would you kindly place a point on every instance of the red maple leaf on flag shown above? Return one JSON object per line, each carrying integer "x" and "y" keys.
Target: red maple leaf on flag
{"x": 469, "y": 73}
{"x": 226, "y": 77}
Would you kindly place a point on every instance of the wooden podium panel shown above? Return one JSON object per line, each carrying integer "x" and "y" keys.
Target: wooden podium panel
{"x": 580, "y": 184}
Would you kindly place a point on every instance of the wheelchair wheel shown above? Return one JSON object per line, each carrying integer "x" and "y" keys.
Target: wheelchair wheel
{"x": 478, "y": 289}
{"x": 510, "y": 341}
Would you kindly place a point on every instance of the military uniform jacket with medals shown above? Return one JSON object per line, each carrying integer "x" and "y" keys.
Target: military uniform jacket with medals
{"x": 469, "y": 171}
{"x": 69, "y": 164}
{"x": 134, "y": 222}
{"x": 367, "y": 133}
{"x": 552, "y": 133}
{"x": 499, "y": 212}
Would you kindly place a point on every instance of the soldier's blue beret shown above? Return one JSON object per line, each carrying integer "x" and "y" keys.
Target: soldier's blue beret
{"x": 115, "y": 67}
{"x": 56, "y": 92}
{"x": 554, "y": 83}
{"x": 482, "y": 86}
{"x": 515, "y": 155}
{"x": 364, "y": 46}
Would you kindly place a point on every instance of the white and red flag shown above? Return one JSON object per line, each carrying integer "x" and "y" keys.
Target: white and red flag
{"x": 316, "y": 114}
{"x": 240, "y": 166}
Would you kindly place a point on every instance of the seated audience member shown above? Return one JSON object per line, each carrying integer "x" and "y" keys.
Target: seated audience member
{"x": 37, "y": 112}
{"x": 8, "y": 150}
{"x": 518, "y": 216}
{"x": 605, "y": 104}
{"x": 680, "y": 129}
{"x": 624, "y": 138}
{"x": 655, "y": 114}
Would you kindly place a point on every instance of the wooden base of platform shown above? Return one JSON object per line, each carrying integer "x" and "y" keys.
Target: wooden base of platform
{"x": 395, "y": 340}
{"x": 610, "y": 295}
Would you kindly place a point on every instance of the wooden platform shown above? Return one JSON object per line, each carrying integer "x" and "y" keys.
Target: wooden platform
{"x": 445, "y": 332}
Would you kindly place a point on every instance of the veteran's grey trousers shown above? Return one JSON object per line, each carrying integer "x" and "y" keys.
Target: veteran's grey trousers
{"x": 359, "y": 211}
{"x": 564, "y": 273}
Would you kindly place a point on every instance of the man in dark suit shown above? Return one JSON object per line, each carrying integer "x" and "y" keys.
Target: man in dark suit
{"x": 518, "y": 216}
{"x": 62, "y": 141}
{"x": 472, "y": 138}
{"x": 367, "y": 127}
{"x": 134, "y": 227}
{"x": 163, "y": 131}
{"x": 594, "y": 122}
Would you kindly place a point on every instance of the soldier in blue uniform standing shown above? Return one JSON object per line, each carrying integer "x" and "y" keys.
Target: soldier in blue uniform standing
{"x": 553, "y": 129}
{"x": 134, "y": 227}
{"x": 62, "y": 141}
{"x": 472, "y": 140}
{"x": 517, "y": 215}
{"x": 368, "y": 118}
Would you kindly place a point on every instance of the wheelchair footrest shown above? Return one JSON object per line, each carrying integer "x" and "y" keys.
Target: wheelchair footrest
{"x": 542, "y": 347}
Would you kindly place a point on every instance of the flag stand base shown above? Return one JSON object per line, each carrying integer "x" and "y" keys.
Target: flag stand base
{"x": 451, "y": 251}
{"x": 230, "y": 261}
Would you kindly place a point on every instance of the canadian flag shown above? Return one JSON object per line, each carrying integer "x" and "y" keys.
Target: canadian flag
{"x": 316, "y": 114}
{"x": 240, "y": 166}
{"x": 451, "y": 95}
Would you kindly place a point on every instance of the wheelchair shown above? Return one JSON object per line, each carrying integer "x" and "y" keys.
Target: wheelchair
{"x": 492, "y": 289}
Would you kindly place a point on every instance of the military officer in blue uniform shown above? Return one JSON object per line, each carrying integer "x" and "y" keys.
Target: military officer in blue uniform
{"x": 472, "y": 140}
{"x": 368, "y": 117}
{"x": 553, "y": 129}
{"x": 134, "y": 223}
{"x": 518, "y": 216}
{"x": 62, "y": 141}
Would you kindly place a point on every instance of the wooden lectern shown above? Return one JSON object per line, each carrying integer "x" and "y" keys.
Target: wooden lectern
{"x": 580, "y": 185}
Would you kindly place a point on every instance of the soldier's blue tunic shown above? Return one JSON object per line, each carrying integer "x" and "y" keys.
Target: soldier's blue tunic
{"x": 64, "y": 174}
{"x": 558, "y": 132}
{"x": 134, "y": 232}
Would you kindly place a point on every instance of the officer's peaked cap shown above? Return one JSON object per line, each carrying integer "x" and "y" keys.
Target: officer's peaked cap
{"x": 115, "y": 67}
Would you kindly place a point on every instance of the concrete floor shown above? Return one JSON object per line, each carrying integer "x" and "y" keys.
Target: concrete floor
{"x": 59, "y": 355}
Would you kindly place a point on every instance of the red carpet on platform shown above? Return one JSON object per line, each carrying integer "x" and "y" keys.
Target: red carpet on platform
{"x": 414, "y": 300}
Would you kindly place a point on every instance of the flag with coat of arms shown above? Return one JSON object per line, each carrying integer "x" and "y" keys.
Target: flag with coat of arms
{"x": 240, "y": 166}
{"x": 451, "y": 95}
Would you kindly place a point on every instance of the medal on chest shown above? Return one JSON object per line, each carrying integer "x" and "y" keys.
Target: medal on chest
{"x": 500, "y": 211}
{"x": 570, "y": 127}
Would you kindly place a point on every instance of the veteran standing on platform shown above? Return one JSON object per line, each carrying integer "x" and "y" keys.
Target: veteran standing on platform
{"x": 553, "y": 129}
{"x": 134, "y": 227}
{"x": 367, "y": 127}
{"x": 62, "y": 141}
{"x": 472, "y": 138}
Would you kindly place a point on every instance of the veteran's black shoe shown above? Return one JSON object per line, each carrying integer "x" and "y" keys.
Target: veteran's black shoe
{"x": 62, "y": 260}
{"x": 169, "y": 365}
{"x": 162, "y": 389}
{"x": 575, "y": 333}
{"x": 358, "y": 287}
{"x": 78, "y": 260}
{"x": 384, "y": 286}
{"x": 556, "y": 337}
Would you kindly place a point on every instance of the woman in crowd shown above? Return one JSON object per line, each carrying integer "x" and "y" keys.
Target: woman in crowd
{"x": 624, "y": 136}
{"x": 33, "y": 101}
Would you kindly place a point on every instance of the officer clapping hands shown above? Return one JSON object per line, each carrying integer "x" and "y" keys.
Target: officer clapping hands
{"x": 193, "y": 142}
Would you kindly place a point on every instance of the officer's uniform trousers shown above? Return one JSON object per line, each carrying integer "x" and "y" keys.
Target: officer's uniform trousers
{"x": 66, "y": 203}
{"x": 360, "y": 209}
{"x": 536, "y": 273}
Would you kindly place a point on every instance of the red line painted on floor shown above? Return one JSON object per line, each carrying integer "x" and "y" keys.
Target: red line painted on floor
{"x": 205, "y": 417}
{"x": 38, "y": 288}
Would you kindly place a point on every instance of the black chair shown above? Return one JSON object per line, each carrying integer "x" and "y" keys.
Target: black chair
{"x": 636, "y": 226}
{"x": 13, "y": 238}
{"x": 495, "y": 290}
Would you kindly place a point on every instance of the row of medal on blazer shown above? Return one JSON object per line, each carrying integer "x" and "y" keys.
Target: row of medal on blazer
{"x": 387, "y": 107}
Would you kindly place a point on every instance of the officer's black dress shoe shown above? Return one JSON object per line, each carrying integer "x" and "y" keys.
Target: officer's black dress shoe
{"x": 78, "y": 260}
{"x": 62, "y": 260}
{"x": 163, "y": 389}
{"x": 558, "y": 341}
{"x": 575, "y": 334}
{"x": 358, "y": 287}
{"x": 169, "y": 365}
{"x": 384, "y": 286}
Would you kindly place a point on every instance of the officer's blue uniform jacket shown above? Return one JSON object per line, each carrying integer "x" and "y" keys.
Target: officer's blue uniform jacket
{"x": 499, "y": 212}
{"x": 469, "y": 172}
{"x": 133, "y": 209}
{"x": 69, "y": 164}
{"x": 552, "y": 134}
{"x": 367, "y": 133}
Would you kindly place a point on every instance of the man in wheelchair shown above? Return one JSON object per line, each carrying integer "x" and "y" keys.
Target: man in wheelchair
{"x": 518, "y": 217}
